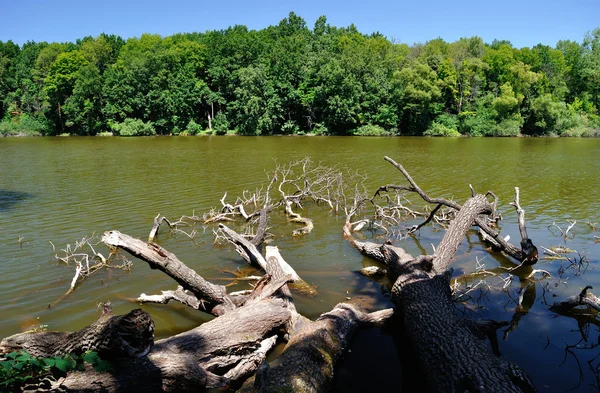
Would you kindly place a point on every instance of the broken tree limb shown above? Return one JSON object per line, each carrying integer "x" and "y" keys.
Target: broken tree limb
{"x": 261, "y": 230}
{"x": 297, "y": 218}
{"x": 273, "y": 252}
{"x": 250, "y": 253}
{"x": 179, "y": 295}
{"x": 244, "y": 247}
{"x": 482, "y": 223}
{"x": 391, "y": 256}
{"x": 159, "y": 258}
{"x": 158, "y": 220}
{"x": 585, "y": 298}
{"x": 527, "y": 247}
{"x": 308, "y": 361}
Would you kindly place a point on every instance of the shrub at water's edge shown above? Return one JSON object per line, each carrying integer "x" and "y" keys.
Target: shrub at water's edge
{"x": 371, "y": 130}
{"x": 23, "y": 125}
{"x": 133, "y": 127}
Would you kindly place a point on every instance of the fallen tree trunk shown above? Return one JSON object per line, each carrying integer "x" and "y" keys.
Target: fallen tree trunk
{"x": 502, "y": 243}
{"x": 451, "y": 352}
{"x": 130, "y": 335}
{"x": 452, "y": 356}
{"x": 219, "y": 353}
{"x": 308, "y": 361}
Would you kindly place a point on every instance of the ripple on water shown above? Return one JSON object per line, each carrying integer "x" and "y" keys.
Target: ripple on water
{"x": 68, "y": 188}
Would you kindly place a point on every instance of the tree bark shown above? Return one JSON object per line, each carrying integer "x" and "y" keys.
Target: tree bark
{"x": 450, "y": 350}
{"x": 219, "y": 353}
{"x": 452, "y": 356}
{"x": 159, "y": 258}
{"x": 308, "y": 361}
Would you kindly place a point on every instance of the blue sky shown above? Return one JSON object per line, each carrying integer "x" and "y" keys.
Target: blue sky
{"x": 524, "y": 22}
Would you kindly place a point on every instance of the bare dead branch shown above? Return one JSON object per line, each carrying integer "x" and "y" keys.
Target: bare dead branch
{"x": 585, "y": 298}
{"x": 158, "y": 220}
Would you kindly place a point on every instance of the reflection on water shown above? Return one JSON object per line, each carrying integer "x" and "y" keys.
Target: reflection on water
{"x": 84, "y": 186}
{"x": 9, "y": 198}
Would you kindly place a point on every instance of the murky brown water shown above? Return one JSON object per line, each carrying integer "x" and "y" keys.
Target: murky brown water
{"x": 62, "y": 189}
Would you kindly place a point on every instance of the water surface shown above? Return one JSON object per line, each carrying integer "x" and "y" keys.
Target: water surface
{"x": 61, "y": 189}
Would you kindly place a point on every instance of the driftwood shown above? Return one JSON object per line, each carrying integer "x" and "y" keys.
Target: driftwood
{"x": 308, "y": 361}
{"x": 157, "y": 221}
{"x": 450, "y": 350}
{"x": 584, "y": 299}
{"x": 215, "y": 296}
{"x": 250, "y": 253}
{"x": 218, "y": 353}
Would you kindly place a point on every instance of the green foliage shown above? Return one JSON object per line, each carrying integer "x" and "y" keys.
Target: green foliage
{"x": 444, "y": 125}
{"x": 290, "y": 127}
{"x": 319, "y": 129}
{"x": 582, "y": 131}
{"x": 220, "y": 124}
{"x": 193, "y": 128}
{"x": 509, "y": 127}
{"x": 550, "y": 116}
{"x": 22, "y": 125}
{"x": 371, "y": 130}
{"x": 290, "y": 79}
{"x": 19, "y": 368}
{"x": 477, "y": 124}
{"x": 133, "y": 127}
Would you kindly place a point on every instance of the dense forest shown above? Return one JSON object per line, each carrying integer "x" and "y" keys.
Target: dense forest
{"x": 290, "y": 79}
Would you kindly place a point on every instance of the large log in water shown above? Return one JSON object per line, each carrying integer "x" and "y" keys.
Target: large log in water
{"x": 308, "y": 361}
{"x": 451, "y": 350}
{"x": 452, "y": 355}
{"x": 218, "y": 353}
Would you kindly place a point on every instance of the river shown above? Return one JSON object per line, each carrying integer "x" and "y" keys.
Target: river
{"x": 55, "y": 191}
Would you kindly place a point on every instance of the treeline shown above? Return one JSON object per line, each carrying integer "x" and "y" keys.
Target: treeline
{"x": 290, "y": 79}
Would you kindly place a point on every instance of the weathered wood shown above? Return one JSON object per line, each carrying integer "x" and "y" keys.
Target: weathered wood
{"x": 455, "y": 234}
{"x": 529, "y": 250}
{"x": 395, "y": 258}
{"x": 273, "y": 252}
{"x": 585, "y": 298}
{"x": 373, "y": 271}
{"x": 452, "y": 357}
{"x": 130, "y": 335}
{"x": 158, "y": 220}
{"x": 308, "y": 361}
{"x": 159, "y": 258}
{"x": 482, "y": 223}
{"x": 179, "y": 295}
{"x": 219, "y": 353}
{"x": 244, "y": 247}
{"x": 250, "y": 253}
{"x": 450, "y": 349}
{"x": 261, "y": 230}
{"x": 297, "y": 218}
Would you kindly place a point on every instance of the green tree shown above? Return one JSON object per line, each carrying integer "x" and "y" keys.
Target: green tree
{"x": 59, "y": 84}
{"x": 417, "y": 93}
